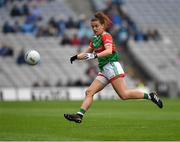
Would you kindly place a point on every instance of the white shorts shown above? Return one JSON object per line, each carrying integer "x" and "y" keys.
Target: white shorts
{"x": 110, "y": 72}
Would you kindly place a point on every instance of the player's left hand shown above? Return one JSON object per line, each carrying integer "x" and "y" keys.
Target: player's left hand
{"x": 90, "y": 56}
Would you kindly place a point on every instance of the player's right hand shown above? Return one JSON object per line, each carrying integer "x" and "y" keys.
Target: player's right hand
{"x": 73, "y": 58}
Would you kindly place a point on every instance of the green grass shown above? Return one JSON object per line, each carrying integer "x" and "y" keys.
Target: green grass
{"x": 106, "y": 120}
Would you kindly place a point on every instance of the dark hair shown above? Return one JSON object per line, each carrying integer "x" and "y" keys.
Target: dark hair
{"x": 102, "y": 18}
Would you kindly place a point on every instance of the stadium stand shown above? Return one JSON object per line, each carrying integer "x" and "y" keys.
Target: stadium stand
{"x": 54, "y": 62}
{"x": 54, "y": 67}
{"x": 54, "y": 58}
{"x": 159, "y": 59}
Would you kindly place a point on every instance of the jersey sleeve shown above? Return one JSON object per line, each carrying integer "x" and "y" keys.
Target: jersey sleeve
{"x": 107, "y": 39}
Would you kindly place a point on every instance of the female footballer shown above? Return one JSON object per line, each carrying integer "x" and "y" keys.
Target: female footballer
{"x": 103, "y": 48}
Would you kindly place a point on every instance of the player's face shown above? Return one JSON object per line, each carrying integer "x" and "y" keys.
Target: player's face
{"x": 97, "y": 27}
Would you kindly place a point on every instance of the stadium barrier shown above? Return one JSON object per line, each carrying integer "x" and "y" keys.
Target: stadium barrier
{"x": 52, "y": 93}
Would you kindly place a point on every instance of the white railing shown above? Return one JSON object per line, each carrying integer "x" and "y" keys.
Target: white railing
{"x": 52, "y": 93}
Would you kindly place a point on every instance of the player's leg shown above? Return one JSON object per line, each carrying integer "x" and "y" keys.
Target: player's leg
{"x": 125, "y": 94}
{"x": 119, "y": 86}
{"x": 114, "y": 72}
{"x": 97, "y": 85}
{"x": 94, "y": 88}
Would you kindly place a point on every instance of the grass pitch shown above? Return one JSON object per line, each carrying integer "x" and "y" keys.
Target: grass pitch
{"x": 106, "y": 120}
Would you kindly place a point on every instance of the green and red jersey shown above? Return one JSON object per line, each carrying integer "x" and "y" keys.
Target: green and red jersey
{"x": 98, "y": 44}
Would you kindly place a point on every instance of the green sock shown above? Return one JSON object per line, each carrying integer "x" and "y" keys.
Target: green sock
{"x": 147, "y": 96}
{"x": 81, "y": 111}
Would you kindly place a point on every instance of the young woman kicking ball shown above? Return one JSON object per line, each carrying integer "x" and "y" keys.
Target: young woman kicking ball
{"x": 103, "y": 48}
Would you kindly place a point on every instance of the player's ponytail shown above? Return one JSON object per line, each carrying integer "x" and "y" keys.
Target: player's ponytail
{"x": 102, "y": 18}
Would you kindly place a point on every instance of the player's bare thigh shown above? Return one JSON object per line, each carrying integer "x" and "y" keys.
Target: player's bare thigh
{"x": 119, "y": 86}
{"x": 95, "y": 87}
{"x": 124, "y": 93}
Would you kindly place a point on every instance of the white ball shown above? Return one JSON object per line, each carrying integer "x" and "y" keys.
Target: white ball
{"x": 32, "y": 57}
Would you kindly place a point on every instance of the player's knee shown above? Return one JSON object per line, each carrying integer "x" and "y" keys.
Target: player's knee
{"x": 124, "y": 95}
{"x": 89, "y": 93}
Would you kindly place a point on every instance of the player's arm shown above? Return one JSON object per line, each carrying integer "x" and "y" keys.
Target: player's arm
{"x": 82, "y": 55}
{"x": 106, "y": 52}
